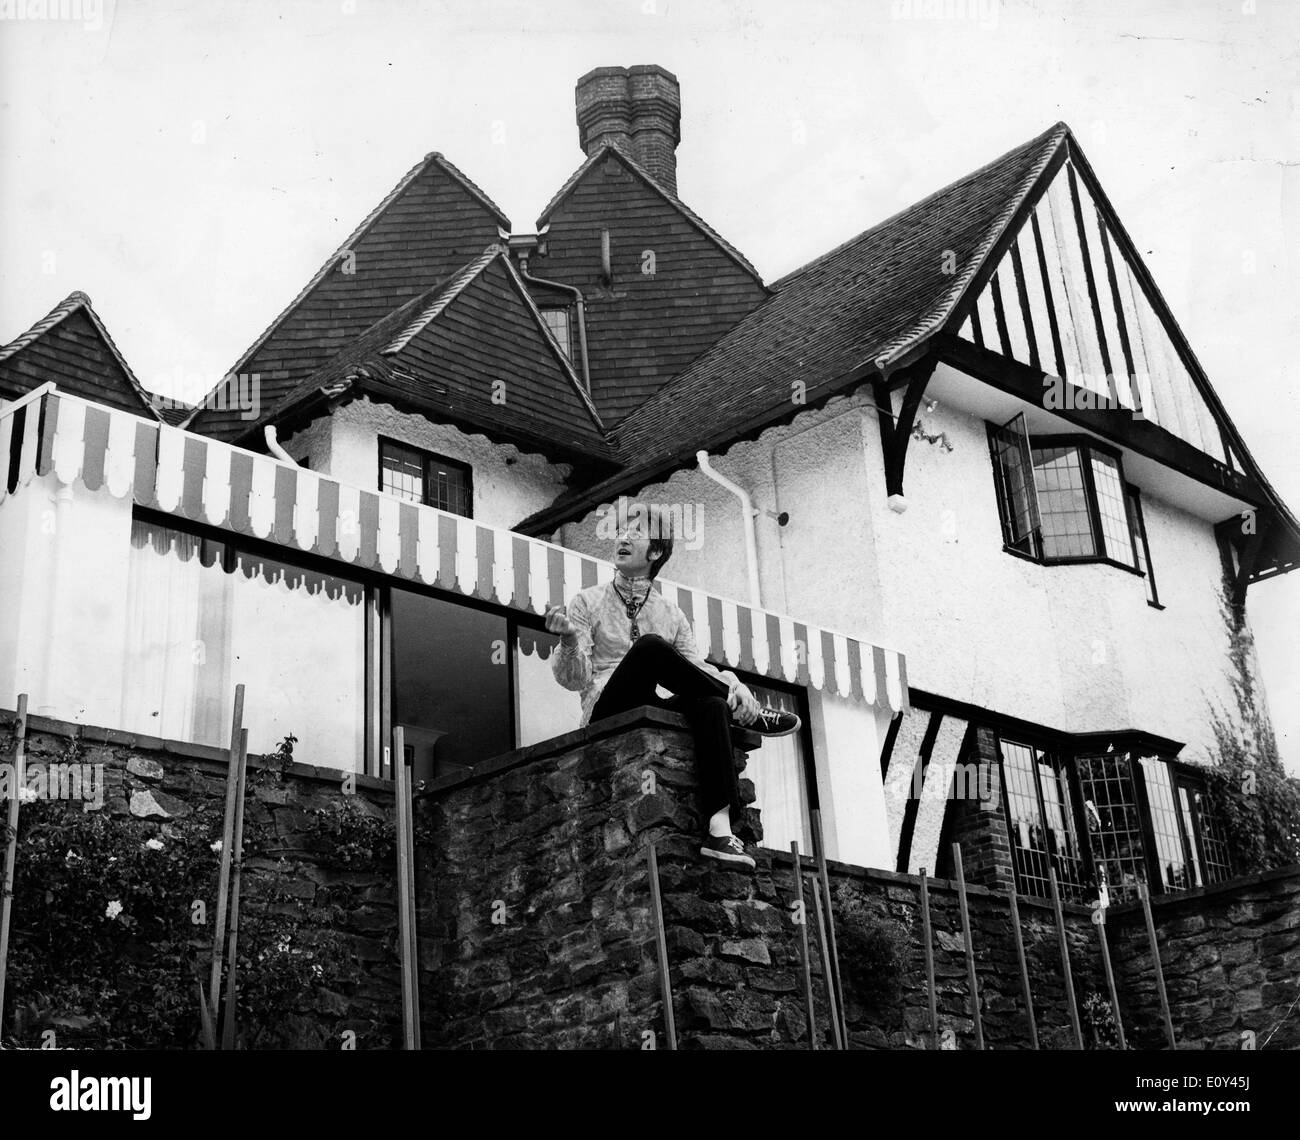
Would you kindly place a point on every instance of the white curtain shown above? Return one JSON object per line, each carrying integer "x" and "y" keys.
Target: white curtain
{"x": 777, "y": 769}
{"x": 295, "y": 639}
{"x": 159, "y": 676}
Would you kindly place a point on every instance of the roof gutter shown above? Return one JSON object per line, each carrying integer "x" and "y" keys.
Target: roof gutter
{"x": 577, "y": 296}
{"x": 273, "y": 445}
{"x": 747, "y": 513}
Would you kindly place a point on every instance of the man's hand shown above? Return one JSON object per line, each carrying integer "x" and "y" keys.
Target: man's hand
{"x": 557, "y": 621}
{"x": 740, "y": 700}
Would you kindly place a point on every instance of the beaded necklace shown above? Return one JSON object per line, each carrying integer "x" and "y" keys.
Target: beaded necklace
{"x": 632, "y": 606}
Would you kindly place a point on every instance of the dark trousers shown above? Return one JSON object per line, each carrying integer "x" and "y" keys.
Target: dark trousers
{"x": 699, "y": 696}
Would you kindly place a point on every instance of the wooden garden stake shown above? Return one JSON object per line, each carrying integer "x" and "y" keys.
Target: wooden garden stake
{"x": 236, "y": 874}
{"x": 1099, "y": 917}
{"x": 1155, "y": 963}
{"x": 929, "y": 960}
{"x": 970, "y": 947}
{"x": 661, "y": 948}
{"x": 826, "y": 965}
{"x": 819, "y": 844}
{"x": 408, "y": 806}
{"x": 405, "y": 900}
{"x": 803, "y": 942}
{"x": 1066, "y": 972}
{"x": 11, "y": 843}
{"x": 1014, "y": 904}
{"x": 227, "y": 842}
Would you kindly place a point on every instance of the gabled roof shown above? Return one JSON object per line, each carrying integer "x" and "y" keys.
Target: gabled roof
{"x": 442, "y": 351}
{"x": 71, "y": 347}
{"x": 609, "y": 149}
{"x": 869, "y": 303}
{"x": 410, "y": 240}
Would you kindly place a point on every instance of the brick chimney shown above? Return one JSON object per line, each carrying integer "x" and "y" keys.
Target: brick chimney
{"x": 637, "y": 109}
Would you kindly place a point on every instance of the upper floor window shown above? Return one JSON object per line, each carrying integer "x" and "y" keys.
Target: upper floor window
{"x": 557, "y": 320}
{"x": 421, "y": 477}
{"x": 1064, "y": 499}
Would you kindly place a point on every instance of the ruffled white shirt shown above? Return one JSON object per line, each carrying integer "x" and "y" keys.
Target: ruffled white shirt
{"x": 605, "y": 636}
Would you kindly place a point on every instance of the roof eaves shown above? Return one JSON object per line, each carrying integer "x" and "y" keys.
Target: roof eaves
{"x": 672, "y": 199}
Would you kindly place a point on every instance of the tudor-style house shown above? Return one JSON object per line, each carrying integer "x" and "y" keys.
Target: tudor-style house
{"x": 958, "y": 491}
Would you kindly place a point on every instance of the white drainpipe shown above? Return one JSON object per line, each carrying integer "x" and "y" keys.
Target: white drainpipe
{"x": 747, "y": 513}
{"x": 273, "y": 445}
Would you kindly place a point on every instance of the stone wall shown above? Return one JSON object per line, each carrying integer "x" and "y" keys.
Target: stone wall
{"x": 295, "y": 857}
{"x": 537, "y": 931}
{"x": 535, "y": 921}
{"x": 1231, "y": 961}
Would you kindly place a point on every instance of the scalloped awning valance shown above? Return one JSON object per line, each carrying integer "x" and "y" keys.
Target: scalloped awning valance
{"x": 209, "y": 482}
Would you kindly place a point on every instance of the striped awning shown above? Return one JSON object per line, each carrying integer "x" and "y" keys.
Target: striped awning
{"x": 207, "y": 481}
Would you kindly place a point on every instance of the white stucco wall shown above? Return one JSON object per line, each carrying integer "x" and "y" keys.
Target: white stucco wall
{"x": 63, "y": 575}
{"x": 509, "y": 485}
{"x": 1074, "y": 648}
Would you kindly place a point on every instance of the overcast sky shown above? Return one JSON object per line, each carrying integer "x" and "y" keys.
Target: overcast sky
{"x": 191, "y": 164}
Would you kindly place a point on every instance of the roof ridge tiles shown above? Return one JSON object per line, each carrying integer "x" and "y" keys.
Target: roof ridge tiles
{"x": 817, "y": 261}
{"x": 442, "y": 296}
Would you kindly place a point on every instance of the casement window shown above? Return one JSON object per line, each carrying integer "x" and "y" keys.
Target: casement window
{"x": 422, "y": 477}
{"x": 557, "y": 320}
{"x": 1063, "y": 499}
{"x": 1140, "y": 546}
{"x": 1189, "y": 845}
{"x": 1149, "y": 822}
{"x": 1114, "y": 820}
{"x": 1043, "y": 821}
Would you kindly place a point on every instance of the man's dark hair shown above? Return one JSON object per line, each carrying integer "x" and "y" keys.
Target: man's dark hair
{"x": 661, "y": 540}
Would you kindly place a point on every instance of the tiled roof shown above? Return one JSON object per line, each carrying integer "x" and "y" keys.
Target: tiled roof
{"x": 640, "y": 171}
{"x": 419, "y": 232}
{"x": 862, "y": 305}
{"x": 428, "y": 356}
{"x": 70, "y": 362}
{"x": 469, "y": 184}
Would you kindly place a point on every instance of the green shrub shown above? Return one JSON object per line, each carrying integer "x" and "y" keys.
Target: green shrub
{"x": 112, "y": 931}
{"x": 873, "y": 950}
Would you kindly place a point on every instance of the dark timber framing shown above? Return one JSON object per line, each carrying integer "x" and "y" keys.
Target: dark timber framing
{"x": 895, "y": 434}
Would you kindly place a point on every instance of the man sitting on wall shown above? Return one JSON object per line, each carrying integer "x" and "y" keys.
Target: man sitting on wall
{"x": 622, "y": 640}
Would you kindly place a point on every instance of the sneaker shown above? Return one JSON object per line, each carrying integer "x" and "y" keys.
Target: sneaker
{"x": 726, "y": 849}
{"x": 774, "y": 722}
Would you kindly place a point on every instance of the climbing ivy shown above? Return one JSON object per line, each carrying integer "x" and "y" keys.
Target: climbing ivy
{"x": 1249, "y": 788}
